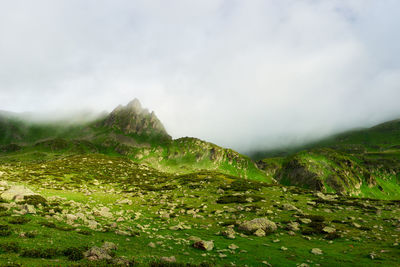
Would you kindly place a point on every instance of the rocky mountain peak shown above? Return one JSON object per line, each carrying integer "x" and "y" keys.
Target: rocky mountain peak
{"x": 136, "y": 120}
{"x": 134, "y": 105}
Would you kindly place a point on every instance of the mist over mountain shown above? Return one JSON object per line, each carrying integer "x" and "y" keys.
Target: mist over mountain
{"x": 241, "y": 74}
{"x": 267, "y": 133}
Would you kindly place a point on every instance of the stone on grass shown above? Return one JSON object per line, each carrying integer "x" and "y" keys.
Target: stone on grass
{"x": 29, "y": 209}
{"x": 233, "y": 246}
{"x": 96, "y": 254}
{"x": 229, "y": 233}
{"x": 329, "y": 230}
{"x": 259, "y": 223}
{"x": 259, "y": 233}
{"x": 168, "y": 259}
{"x": 204, "y": 245}
{"x": 316, "y": 251}
{"x": 293, "y": 226}
{"x": 125, "y": 201}
{"x": 17, "y": 193}
{"x": 104, "y": 212}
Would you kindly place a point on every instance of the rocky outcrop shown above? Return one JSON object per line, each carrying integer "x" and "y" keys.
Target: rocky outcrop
{"x": 17, "y": 193}
{"x": 133, "y": 119}
{"x": 324, "y": 170}
{"x": 254, "y": 226}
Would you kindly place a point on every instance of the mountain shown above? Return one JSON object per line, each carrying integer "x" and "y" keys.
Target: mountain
{"x": 117, "y": 190}
{"x": 362, "y": 162}
{"x": 133, "y": 120}
{"x": 129, "y": 131}
{"x": 380, "y": 137}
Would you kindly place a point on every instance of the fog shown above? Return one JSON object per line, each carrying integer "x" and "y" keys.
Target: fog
{"x": 242, "y": 74}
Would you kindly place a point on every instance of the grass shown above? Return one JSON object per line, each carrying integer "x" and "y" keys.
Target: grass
{"x": 188, "y": 187}
{"x": 56, "y": 240}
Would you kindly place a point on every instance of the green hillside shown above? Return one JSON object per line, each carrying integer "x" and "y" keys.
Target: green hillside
{"x": 119, "y": 191}
{"x": 364, "y": 163}
{"x": 128, "y": 131}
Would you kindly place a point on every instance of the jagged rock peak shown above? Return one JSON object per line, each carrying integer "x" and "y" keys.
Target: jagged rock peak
{"x": 134, "y": 105}
{"x": 134, "y": 119}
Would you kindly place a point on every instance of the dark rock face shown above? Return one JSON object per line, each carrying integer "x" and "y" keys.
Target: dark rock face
{"x": 133, "y": 119}
{"x": 297, "y": 174}
{"x": 325, "y": 170}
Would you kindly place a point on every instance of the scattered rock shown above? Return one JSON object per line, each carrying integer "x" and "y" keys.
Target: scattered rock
{"x": 305, "y": 220}
{"x": 125, "y": 201}
{"x": 229, "y": 233}
{"x": 204, "y": 245}
{"x": 316, "y": 251}
{"x": 259, "y": 223}
{"x": 168, "y": 259}
{"x": 259, "y": 233}
{"x": 329, "y": 230}
{"x": 96, "y": 253}
{"x": 17, "y": 193}
{"x": 289, "y": 207}
{"x": 293, "y": 226}
{"x": 104, "y": 212}
{"x": 233, "y": 246}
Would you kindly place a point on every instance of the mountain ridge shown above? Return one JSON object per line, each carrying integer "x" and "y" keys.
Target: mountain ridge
{"x": 344, "y": 164}
{"x": 130, "y": 131}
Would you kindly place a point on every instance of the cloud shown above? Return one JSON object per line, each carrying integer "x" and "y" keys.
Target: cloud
{"x": 242, "y": 74}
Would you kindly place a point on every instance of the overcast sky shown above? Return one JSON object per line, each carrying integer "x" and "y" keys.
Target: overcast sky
{"x": 242, "y": 74}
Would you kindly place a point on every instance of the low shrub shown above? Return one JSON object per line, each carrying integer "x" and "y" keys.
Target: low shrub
{"x": 238, "y": 199}
{"x": 34, "y": 200}
{"x": 46, "y": 253}
{"x": 18, "y": 220}
{"x": 84, "y": 232}
{"x": 12, "y": 247}
{"x": 5, "y": 230}
{"x": 74, "y": 254}
{"x": 48, "y": 224}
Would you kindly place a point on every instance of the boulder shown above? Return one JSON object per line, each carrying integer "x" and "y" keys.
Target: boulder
{"x": 289, "y": 207}
{"x": 96, "y": 253}
{"x": 329, "y": 230}
{"x": 259, "y": 223}
{"x": 204, "y": 245}
{"x": 259, "y": 233}
{"x": 316, "y": 251}
{"x": 293, "y": 226}
{"x": 29, "y": 209}
{"x": 17, "y": 193}
{"x": 233, "y": 246}
{"x": 229, "y": 233}
{"x": 103, "y": 212}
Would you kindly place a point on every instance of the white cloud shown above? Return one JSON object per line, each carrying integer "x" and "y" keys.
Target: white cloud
{"x": 243, "y": 74}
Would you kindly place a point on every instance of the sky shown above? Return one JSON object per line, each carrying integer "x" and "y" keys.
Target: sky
{"x": 242, "y": 74}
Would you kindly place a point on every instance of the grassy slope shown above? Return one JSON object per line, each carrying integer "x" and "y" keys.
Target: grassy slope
{"x": 182, "y": 155}
{"x": 375, "y": 150}
{"x": 186, "y": 155}
{"x": 96, "y": 180}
